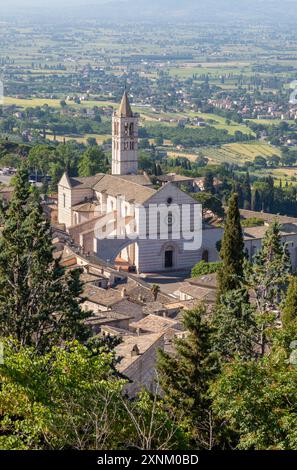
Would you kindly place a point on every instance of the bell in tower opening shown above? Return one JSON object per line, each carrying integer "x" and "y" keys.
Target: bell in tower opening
{"x": 124, "y": 139}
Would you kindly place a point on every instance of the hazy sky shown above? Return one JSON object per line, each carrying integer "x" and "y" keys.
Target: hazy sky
{"x": 257, "y": 10}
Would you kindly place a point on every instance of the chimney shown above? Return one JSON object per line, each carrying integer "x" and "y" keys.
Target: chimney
{"x": 124, "y": 293}
{"x": 135, "y": 351}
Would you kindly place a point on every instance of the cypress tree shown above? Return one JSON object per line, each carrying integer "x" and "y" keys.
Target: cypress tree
{"x": 247, "y": 192}
{"x": 257, "y": 201}
{"x": 159, "y": 169}
{"x": 232, "y": 250}
{"x": 237, "y": 188}
{"x": 185, "y": 378}
{"x": 39, "y": 303}
{"x": 234, "y": 326}
{"x": 208, "y": 183}
{"x": 289, "y": 312}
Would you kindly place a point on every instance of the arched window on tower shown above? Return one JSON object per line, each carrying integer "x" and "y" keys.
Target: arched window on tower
{"x": 126, "y": 128}
{"x": 131, "y": 129}
{"x": 170, "y": 222}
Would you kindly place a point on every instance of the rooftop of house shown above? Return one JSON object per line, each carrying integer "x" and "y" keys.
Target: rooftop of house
{"x": 172, "y": 177}
{"x": 130, "y": 343}
{"x": 283, "y": 219}
{"x": 257, "y": 233}
{"x": 154, "y": 324}
{"x": 87, "y": 278}
{"x": 208, "y": 281}
{"x": 102, "y": 318}
{"x": 85, "y": 207}
{"x": 154, "y": 307}
{"x": 104, "y": 297}
{"x": 197, "y": 292}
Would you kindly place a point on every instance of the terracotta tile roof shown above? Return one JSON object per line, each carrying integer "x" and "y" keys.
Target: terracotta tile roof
{"x": 143, "y": 343}
{"x": 85, "y": 182}
{"x": 202, "y": 294}
{"x": 208, "y": 281}
{"x": 117, "y": 186}
{"x": 143, "y": 180}
{"x": 259, "y": 232}
{"x": 154, "y": 324}
{"x": 85, "y": 207}
{"x": 174, "y": 178}
{"x": 97, "y": 295}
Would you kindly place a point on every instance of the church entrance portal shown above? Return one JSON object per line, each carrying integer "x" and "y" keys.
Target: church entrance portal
{"x": 168, "y": 259}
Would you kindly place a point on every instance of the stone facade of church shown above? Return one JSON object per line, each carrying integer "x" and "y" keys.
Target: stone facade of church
{"x": 90, "y": 209}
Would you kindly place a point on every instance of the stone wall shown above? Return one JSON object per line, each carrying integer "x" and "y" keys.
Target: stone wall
{"x": 76, "y": 231}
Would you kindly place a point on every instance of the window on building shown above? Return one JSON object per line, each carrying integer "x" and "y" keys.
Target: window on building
{"x": 131, "y": 129}
{"x": 170, "y": 222}
{"x": 126, "y": 128}
{"x": 64, "y": 200}
{"x": 116, "y": 128}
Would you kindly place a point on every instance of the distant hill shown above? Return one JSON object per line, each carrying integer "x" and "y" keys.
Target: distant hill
{"x": 198, "y": 10}
{"x": 210, "y": 11}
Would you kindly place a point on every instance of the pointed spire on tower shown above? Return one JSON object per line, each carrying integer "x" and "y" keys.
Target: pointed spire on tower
{"x": 125, "y": 108}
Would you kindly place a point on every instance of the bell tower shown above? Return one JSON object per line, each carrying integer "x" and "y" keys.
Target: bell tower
{"x": 124, "y": 139}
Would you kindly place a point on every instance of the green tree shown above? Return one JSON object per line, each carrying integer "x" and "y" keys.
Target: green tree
{"x": 38, "y": 299}
{"x": 185, "y": 377}
{"x": 39, "y": 158}
{"x": 68, "y": 398}
{"x": 208, "y": 183}
{"x": 209, "y": 203}
{"x": 234, "y": 326}
{"x": 72, "y": 398}
{"x": 247, "y": 192}
{"x": 256, "y": 201}
{"x": 91, "y": 141}
{"x": 289, "y": 311}
{"x": 92, "y": 161}
{"x": 257, "y": 398}
{"x": 267, "y": 278}
{"x": 155, "y": 290}
{"x": 202, "y": 268}
{"x": 232, "y": 254}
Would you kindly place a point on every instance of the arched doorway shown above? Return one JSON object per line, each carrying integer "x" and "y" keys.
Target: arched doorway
{"x": 168, "y": 254}
{"x": 168, "y": 258}
{"x": 126, "y": 258}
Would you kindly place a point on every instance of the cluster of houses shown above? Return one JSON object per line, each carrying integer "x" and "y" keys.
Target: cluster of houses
{"x": 258, "y": 110}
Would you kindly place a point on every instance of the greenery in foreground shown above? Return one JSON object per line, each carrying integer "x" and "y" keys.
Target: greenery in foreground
{"x": 231, "y": 383}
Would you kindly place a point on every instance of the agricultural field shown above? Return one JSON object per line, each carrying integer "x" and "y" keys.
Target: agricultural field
{"x": 100, "y": 139}
{"x": 54, "y": 103}
{"x": 238, "y": 153}
{"x": 283, "y": 175}
{"x": 219, "y": 122}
